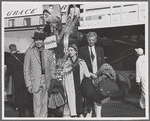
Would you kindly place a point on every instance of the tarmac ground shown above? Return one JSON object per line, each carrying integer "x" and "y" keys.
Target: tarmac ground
{"x": 126, "y": 107}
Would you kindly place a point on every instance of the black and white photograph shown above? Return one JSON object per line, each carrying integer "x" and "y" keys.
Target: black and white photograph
{"x": 74, "y": 60}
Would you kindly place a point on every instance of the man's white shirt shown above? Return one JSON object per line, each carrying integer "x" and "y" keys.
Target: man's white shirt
{"x": 94, "y": 62}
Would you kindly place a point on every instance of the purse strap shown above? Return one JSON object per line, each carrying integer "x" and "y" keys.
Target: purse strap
{"x": 17, "y": 59}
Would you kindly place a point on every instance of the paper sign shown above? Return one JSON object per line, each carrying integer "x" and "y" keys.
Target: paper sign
{"x": 50, "y": 42}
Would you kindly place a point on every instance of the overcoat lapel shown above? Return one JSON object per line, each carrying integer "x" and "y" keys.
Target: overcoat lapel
{"x": 37, "y": 55}
{"x": 88, "y": 53}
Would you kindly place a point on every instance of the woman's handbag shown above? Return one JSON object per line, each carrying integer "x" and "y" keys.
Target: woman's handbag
{"x": 106, "y": 81}
{"x": 107, "y": 86}
{"x": 59, "y": 100}
{"x": 51, "y": 102}
{"x": 55, "y": 100}
{"x": 87, "y": 88}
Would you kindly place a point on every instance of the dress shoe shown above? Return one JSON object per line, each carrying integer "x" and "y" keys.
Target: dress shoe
{"x": 31, "y": 115}
{"x": 105, "y": 100}
{"x": 20, "y": 115}
{"x": 81, "y": 116}
{"x": 89, "y": 114}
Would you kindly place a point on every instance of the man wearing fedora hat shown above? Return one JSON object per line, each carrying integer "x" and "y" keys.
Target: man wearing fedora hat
{"x": 140, "y": 75}
{"x": 94, "y": 58}
{"x": 39, "y": 69}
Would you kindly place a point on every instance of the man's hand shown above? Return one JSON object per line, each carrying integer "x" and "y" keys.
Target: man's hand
{"x": 44, "y": 86}
{"x": 93, "y": 75}
{"x": 139, "y": 83}
{"x": 53, "y": 76}
{"x": 30, "y": 89}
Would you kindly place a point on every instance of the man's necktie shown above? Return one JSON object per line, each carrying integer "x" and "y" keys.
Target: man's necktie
{"x": 74, "y": 11}
{"x": 41, "y": 62}
{"x": 92, "y": 55}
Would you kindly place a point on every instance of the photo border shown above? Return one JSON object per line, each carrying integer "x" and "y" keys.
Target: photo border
{"x": 103, "y": 118}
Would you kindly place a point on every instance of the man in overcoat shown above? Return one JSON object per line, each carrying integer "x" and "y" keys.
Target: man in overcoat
{"x": 15, "y": 68}
{"x": 39, "y": 69}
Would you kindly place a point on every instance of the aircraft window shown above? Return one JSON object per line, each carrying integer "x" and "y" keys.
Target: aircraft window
{"x": 81, "y": 10}
{"x": 11, "y": 22}
{"x": 27, "y": 21}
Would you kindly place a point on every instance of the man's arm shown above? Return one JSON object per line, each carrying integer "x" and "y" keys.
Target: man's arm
{"x": 27, "y": 66}
{"x": 78, "y": 12}
{"x": 9, "y": 66}
{"x": 9, "y": 70}
{"x": 53, "y": 66}
{"x": 138, "y": 74}
{"x": 86, "y": 70}
{"x": 102, "y": 56}
{"x": 80, "y": 53}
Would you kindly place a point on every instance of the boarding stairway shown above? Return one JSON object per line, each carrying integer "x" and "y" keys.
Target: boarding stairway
{"x": 66, "y": 31}
{"x": 68, "y": 28}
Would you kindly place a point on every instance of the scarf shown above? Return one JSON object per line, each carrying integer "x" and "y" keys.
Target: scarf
{"x": 72, "y": 65}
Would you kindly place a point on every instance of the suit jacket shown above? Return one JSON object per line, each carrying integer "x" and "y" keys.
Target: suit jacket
{"x": 15, "y": 70}
{"x": 32, "y": 68}
{"x": 14, "y": 67}
{"x": 85, "y": 55}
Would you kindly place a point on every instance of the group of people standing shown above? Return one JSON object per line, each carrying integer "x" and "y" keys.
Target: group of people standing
{"x": 32, "y": 74}
{"x": 79, "y": 71}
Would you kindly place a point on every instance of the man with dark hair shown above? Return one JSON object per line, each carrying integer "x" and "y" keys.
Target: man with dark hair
{"x": 39, "y": 69}
{"x": 15, "y": 68}
{"x": 12, "y": 48}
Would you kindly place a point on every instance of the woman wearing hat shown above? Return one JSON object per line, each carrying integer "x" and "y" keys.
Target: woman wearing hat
{"x": 75, "y": 69}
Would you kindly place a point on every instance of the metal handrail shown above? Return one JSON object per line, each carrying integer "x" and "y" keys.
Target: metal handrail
{"x": 121, "y": 58}
{"x": 124, "y": 11}
{"x": 126, "y": 51}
